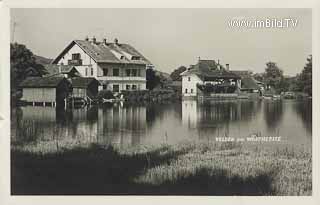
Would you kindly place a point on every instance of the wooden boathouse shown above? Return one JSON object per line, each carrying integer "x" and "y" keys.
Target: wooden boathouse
{"x": 85, "y": 88}
{"x": 45, "y": 90}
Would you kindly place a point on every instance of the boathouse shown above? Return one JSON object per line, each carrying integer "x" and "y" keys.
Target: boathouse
{"x": 84, "y": 87}
{"x": 45, "y": 90}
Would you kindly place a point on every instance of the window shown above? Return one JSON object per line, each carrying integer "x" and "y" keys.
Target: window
{"x": 105, "y": 71}
{"x": 128, "y": 71}
{"x": 127, "y": 87}
{"x": 115, "y": 88}
{"x": 186, "y": 91}
{"x": 134, "y": 72}
{"x": 191, "y": 90}
{"x": 76, "y": 56}
{"x": 104, "y": 87}
{"x": 134, "y": 87}
{"x": 135, "y": 58}
{"x": 189, "y": 79}
{"x": 91, "y": 71}
{"x": 116, "y": 72}
{"x": 86, "y": 71}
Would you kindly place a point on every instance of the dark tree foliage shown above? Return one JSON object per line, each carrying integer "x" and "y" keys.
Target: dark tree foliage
{"x": 23, "y": 64}
{"x": 273, "y": 75}
{"x": 175, "y": 75}
{"x": 152, "y": 79}
{"x": 304, "y": 79}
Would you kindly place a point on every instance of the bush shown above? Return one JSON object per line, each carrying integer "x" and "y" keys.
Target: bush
{"x": 106, "y": 94}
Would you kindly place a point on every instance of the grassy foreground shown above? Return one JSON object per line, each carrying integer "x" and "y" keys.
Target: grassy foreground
{"x": 185, "y": 169}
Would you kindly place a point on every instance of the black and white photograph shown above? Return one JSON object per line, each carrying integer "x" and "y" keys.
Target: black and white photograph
{"x": 161, "y": 101}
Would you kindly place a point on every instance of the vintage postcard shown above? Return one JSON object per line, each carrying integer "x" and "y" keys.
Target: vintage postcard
{"x": 160, "y": 101}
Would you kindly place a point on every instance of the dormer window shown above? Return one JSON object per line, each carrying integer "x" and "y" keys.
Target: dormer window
{"x": 122, "y": 57}
{"x": 135, "y": 58}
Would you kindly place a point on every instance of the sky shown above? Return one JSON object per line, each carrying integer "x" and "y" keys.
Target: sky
{"x": 170, "y": 38}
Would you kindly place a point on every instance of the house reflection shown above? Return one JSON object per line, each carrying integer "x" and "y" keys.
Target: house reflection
{"x": 122, "y": 125}
{"x": 116, "y": 124}
{"x": 214, "y": 117}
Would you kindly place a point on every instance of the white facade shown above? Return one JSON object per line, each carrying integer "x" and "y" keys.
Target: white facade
{"x": 112, "y": 76}
{"x": 189, "y": 85}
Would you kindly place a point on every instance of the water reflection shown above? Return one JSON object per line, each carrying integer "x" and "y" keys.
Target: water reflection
{"x": 131, "y": 125}
{"x": 273, "y": 111}
{"x": 303, "y": 108}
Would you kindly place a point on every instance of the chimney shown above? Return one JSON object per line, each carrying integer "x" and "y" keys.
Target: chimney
{"x": 94, "y": 40}
{"x": 116, "y": 41}
{"x": 59, "y": 68}
{"x": 218, "y": 64}
{"x": 87, "y": 38}
{"x": 227, "y": 66}
{"x": 104, "y": 41}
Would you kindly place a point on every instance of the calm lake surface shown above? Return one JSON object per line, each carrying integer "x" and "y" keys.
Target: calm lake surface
{"x": 153, "y": 124}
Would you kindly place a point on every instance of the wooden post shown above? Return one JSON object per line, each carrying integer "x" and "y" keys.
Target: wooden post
{"x": 65, "y": 103}
{"x": 33, "y": 103}
{"x": 44, "y": 104}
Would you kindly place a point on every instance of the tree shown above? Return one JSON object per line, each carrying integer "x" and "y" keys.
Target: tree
{"x": 175, "y": 75}
{"x": 305, "y": 77}
{"x": 152, "y": 79}
{"x": 23, "y": 64}
{"x": 273, "y": 76}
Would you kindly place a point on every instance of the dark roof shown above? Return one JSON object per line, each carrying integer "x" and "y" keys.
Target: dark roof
{"x": 41, "y": 82}
{"x": 249, "y": 83}
{"x": 208, "y": 69}
{"x": 107, "y": 53}
{"x": 53, "y": 69}
{"x": 241, "y": 73}
{"x": 80, "y": 82}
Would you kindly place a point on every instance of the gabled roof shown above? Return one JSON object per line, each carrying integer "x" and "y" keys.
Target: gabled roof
{"x": 80, "y": 82}
{"x": 53, "y": 69}
{"x": 41, "y": 82}
{"x": 106, "y": 53}
{"x": 241, "y": 73}
{"x": 249, "y": 83}
{"x": 208, "y": 69}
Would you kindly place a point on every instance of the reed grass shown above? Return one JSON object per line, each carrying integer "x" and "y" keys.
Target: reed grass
{"x": 189, "y": 168}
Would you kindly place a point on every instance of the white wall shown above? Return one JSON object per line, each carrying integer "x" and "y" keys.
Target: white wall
{"x": 190, "y": 84}
{"x": 87, "y": 61}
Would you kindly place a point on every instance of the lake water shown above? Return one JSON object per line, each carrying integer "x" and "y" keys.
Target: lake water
{"x": 153, "y": 124}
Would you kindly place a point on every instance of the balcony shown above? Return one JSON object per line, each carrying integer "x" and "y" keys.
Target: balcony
{"x": 75, "y": 62}
{"x": 120, "y": 78}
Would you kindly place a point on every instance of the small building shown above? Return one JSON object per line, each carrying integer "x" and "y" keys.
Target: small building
{"x": 209, "y": 73}
{"x": 248, "y": 83}
{"x": 84, "y": 87}
{"x": 117, "y": 66}
{"x": 44, "y": 90}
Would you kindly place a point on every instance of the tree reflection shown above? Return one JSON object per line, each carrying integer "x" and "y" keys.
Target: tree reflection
{"x": 304, "y": 111}
{"x": 273, "y": 113}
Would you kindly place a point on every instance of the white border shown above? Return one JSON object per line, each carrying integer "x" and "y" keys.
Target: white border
{"x": 5, "y": 197}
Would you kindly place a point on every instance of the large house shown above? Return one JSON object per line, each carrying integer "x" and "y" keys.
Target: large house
{"x": 117, "y": 66}
{"x": 210, "y": 78}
